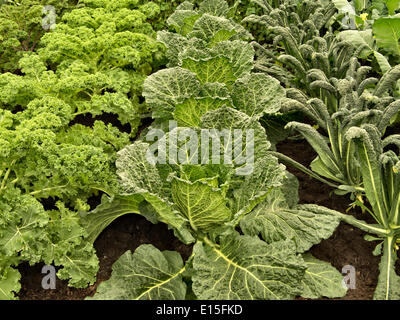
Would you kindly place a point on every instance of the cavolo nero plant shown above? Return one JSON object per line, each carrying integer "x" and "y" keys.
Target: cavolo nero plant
{"x": 298, "y": 31}
{"x": 330, "y": 87}
{"x": 51, "y": 165}
{"x": 361, "y": 100}
{"x": 209, "y": 87}
{"x": 380, "y": 168}
{"x": 302, "y": 45}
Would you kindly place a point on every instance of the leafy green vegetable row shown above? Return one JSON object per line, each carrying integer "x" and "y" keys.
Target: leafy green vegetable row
{"x": 351, "y": 109}
{"x": 250, "y": 236}
{"x": 57, "y": 149}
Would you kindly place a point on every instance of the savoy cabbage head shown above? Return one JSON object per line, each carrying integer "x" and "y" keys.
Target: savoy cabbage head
{"x": 210, "y": 63}
{"x": 206, "y": 205}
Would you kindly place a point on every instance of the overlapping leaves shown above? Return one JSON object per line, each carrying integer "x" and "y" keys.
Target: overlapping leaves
{"x": 205, "y": 200}
{"x": 93, "y": 64}
{"x": 210, "y": 63}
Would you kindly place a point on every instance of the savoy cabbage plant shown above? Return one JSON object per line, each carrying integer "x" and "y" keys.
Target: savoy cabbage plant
{"x": 209, "y": 86}
{"x": 210, "y": 61}
{"x": 191, "y": 87}
{"x": 204, "y": 205}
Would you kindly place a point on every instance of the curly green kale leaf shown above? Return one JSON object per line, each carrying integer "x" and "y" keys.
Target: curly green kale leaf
{"x": 21, "y": 27}
{"x": 30, "y": 233}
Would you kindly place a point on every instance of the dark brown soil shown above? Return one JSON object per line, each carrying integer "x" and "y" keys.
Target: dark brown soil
{"x": 346, "y": 247}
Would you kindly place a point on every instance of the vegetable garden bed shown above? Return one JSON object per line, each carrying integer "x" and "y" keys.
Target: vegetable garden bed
{"x": 346, "y": 246}
{"x": 199, "y": 150}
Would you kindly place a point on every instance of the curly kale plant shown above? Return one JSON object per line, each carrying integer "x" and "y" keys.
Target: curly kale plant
{"x": 21, "y": 27}
{"x": 94, "y": 63}
{"x": 103, "y": 53}
{"x": 43, "y": 159}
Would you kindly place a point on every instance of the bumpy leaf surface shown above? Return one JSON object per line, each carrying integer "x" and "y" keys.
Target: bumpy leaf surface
{"x": 148, "y": 274}
{"x": 321, "y": 280}
{"x": 246, "y": 268}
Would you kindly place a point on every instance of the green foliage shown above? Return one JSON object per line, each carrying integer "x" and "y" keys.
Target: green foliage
{"x": 367, "y": 47}
{"x": 380, "y": 172}
{"x": 9, "y": 283}
{"x": 205, "y": 204}
{"x": 166, "y": 8}
{"x": 304, "y": 19}
{"x": 320, "y": 279}
{"x": 387, "y": 34}
{"x": 378, "y": 44}
{"x": 279, "y": 217}
{"x": 360, "y": 14}
{"x": 21, "y": 28}
{"x": 375, "y": 30}
{"x": 92, "y": 65}
{"x": 238, "y": 10}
